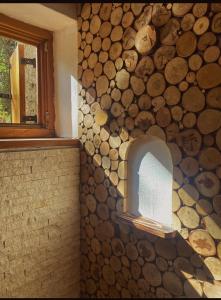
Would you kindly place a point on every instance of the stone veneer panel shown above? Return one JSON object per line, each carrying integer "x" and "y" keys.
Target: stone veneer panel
{"x": 39, "y": 231}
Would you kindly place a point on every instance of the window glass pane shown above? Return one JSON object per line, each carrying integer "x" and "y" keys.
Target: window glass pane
{"x": 18, "y": 82}
{"x": 150, "y": 180}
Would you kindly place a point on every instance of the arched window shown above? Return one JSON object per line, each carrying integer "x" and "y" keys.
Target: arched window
{"x": 150, "y": 179}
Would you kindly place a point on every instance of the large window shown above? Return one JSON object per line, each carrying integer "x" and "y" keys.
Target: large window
{"x": 26, "y": 80}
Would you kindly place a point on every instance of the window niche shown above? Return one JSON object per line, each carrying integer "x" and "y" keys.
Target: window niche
{"x": 148, "y": 188}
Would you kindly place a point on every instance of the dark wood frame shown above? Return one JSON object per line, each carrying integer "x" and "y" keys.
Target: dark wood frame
{"x": 33, "y": 143}
{"x": 43, "y": 40}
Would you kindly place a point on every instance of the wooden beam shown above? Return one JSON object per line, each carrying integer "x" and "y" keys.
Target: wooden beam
{"x": 38, "y": 143}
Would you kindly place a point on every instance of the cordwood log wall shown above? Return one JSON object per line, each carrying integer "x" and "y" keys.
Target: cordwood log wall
{"x": 150, "y": 68}
{"x": 39, "y": 223}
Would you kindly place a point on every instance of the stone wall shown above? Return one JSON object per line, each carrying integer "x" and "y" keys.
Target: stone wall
{"x": 150, "y": 68}
{"x": 39, "y": 231}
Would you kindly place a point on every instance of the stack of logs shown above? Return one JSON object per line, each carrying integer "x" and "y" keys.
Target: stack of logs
{"x": 150, "y": 68}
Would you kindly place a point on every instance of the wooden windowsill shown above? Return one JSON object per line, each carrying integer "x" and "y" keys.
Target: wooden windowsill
{"x": 148, "y": 225}
{"x": 38, "y": 143}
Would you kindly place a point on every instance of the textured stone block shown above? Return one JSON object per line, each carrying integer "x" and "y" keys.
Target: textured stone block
{"x": 40, "y": 223}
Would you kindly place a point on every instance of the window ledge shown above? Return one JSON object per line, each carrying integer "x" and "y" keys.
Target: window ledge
{"x": 148, "y": 225}
{"x": 34, "y": 143}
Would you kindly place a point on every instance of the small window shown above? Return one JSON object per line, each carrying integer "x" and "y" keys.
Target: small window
{"x": 26, "y": 80}
{"x": 149, "y": 186}
{"x": 150, "y": 179}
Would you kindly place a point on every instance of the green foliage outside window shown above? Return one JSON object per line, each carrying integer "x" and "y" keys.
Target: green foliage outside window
{"x": 7, "y": 47}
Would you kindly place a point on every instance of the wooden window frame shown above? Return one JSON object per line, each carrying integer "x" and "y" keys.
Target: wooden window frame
{"x": 43, "y": 40}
